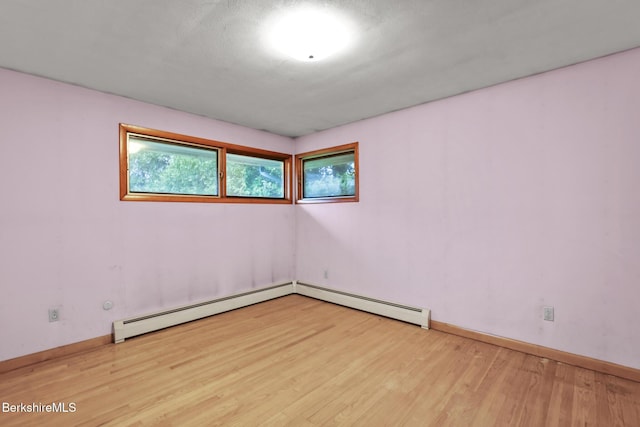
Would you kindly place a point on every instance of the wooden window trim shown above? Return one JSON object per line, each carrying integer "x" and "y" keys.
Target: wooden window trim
{"x": 299, "y": 158}
{"x": 223, "y": 148}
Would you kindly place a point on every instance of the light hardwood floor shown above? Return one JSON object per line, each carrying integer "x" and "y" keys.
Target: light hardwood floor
{"x": 301, "y": 362}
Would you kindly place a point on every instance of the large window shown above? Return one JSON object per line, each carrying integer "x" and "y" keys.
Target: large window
{"x": 328, "y": 175}
{"x": 162, "y": 166}
{"x": 159, "y": 167}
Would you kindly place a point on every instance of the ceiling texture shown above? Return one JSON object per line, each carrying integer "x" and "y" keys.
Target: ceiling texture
{"x": 208, "y": 56}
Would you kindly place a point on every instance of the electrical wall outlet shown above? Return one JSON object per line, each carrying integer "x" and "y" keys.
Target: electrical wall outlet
{"x": 54, "y": 314}
{"x": 547, "y": 313}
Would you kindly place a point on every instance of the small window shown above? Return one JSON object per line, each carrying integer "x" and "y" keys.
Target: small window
{"x": 162, "y": 166}
{"x": 328, "y": 175}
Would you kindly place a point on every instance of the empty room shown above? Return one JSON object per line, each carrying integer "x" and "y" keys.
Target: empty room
{"x": 300, "y": 213}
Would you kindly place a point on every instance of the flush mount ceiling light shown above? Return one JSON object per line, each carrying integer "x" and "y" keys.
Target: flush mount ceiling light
{"x": 309, "y": 34}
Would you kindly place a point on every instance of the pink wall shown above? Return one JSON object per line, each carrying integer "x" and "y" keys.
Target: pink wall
{"x": 487, "y": 206}
{"x": 483, "y": 207}
{"x": 66, "y": 240}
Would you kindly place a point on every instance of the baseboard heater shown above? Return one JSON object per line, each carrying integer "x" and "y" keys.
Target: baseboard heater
{"x": 415, "y": 315}
{"x": 134, "y": 326}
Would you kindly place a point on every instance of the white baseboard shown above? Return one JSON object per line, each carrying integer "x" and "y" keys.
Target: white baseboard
{"x": 133, "y": 326}
{"x": 139, "y": 325}
{"x": 415, "y": 315}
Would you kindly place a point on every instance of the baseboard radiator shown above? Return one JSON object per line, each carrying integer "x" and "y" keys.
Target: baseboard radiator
{"x": 415, "y": 315}
{"x": 134, "y": 326}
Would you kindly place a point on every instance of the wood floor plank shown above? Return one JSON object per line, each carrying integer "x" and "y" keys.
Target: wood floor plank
{"x": 561, "y": 399}
{"x": 295, "y": 361}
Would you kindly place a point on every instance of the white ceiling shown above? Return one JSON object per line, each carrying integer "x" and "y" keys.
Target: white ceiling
{"x": 206, "y": 56}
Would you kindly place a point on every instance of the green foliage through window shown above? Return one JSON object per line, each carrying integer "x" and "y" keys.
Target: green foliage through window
{"x": 330, "y": 176}
{"x": 249, "y": 176}
{"x": 164, "y": 168}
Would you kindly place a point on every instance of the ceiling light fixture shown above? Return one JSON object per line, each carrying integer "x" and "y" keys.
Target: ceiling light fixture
{"x": 309, "y": 34}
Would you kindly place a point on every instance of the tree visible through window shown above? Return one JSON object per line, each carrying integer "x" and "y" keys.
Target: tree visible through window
{"x": 331, "y": 176}
{"x": 328, "y": 175}
{"x": 249, "y": 176}
{"x": 161, "y": 166}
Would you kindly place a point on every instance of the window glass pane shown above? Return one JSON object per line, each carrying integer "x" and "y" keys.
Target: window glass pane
{"x": 330, "y": 176}
{"x": 166, "y": 168}
{"x": 249, "y": 176}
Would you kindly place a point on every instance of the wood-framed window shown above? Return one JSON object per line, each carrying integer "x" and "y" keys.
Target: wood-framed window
{"x": 162, "y": 166}
{"x": 328, "y": 175}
